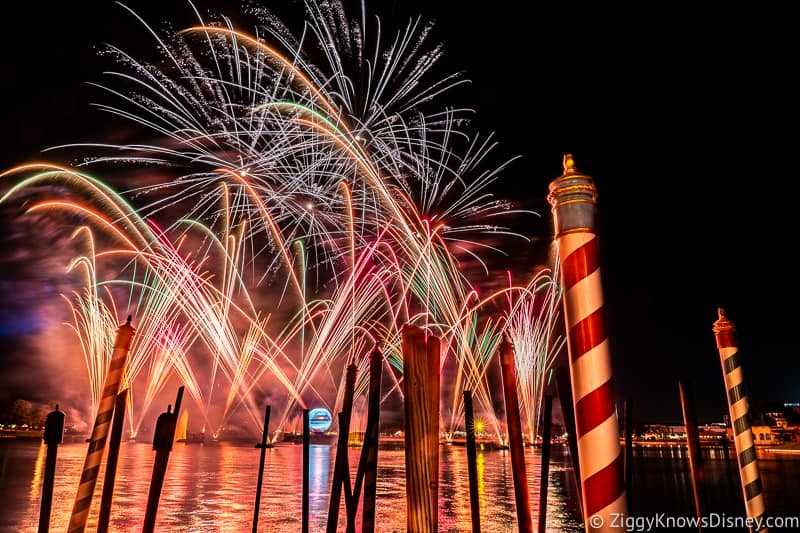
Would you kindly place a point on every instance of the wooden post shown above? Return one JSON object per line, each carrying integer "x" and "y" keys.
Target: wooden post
{"x": 111, "y": 463}
{"x": 371, "y": 441}
{"x": 341, "y": 469}
{"x": 262, "y": 459}
{"x": 306, "y": 466}
{"x": 628, "y": 408}
{"x": 421, "y": 354}
{"x": 53, "y": 435}
{"x": 472, "y": 463}
{"x": 567, "y": 410}
{"x": 162, "y": 444}
{"x": 693, "y": 446}
{"x": 515, "y": 446}
{"x": 545, "y": 462}
{"x": 366, "y": 476}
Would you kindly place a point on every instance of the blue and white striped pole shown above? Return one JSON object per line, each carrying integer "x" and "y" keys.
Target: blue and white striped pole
{"x": 740, "y": 420}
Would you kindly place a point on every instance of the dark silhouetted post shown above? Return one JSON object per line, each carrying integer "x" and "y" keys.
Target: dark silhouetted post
{"x": 341, "y": 469}
{"x": 693, "y": 446}
{"x": 545, "y": 463}
{"x": 102, "y": 423}
{"x": 472, "y": 463}
{"x": 306, "y": 466}
{"x": 565, "y": 399}
{"x": 515, "y": 446}
{"x": 628, "y": 408}
{"x": 367, "y": 473}
{"x": 262, "y": 459}
{"x": 421, "y": 354}
{"x": 53, "y": 435}
{"x": 371, "y": 441}
{"x": 162, "y": 444}
{"x": 111, "y": 463}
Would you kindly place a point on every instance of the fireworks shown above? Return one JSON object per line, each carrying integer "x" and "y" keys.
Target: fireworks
{"x": 323, "y": 201}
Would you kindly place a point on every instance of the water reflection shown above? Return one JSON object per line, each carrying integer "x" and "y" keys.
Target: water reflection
{"x": 212, "y": 487}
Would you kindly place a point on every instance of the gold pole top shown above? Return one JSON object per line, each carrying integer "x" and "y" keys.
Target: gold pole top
{"x": 723, "y": 324}
{"x": 569, "y": 165}
{"x": 572, "y": 197}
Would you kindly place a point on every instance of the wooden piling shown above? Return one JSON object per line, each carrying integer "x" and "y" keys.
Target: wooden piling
{"x": 111, "y": 463}
{"x": 568, "y": 412}
{"x": 53, "y": 435}
{"x": 547, "y": 411}
{"x": 515, "y": 445}
{"x": 693, "y": 446}
{"x": 341, "y": 469}
{"x": 371, "y": 441}
{"x": 472, "y": 463}
{"x": 162, "y": 444}
{"x": 421, "y": 353}
{"x": 262, "y": 459}
{"x": 628, "y": 413}
{"x": 306, "y": 466}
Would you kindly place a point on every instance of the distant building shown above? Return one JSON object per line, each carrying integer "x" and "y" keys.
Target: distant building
{"x": 777, "y": 419}
{"x": 712, "y": 432}
{"x": 771, "y": 435}
{"x": 762, "y": 435}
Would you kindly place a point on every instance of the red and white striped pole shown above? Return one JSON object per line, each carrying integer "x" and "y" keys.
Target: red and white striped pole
{"x": 573, "y": 200}
{"x": 102, "y": 424}
{"x": 740, "y": 420}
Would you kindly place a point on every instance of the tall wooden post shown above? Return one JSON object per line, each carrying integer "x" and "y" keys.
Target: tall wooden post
{"x": 545, "y": 463}
{"x": 341, "y": 469}
{"x": 371, "y": 441}
{"x": 515, "y": 445}
{"x": 163, "y": 439}
{"x": 421, "y": 353}
{"x": 472, "y": 463}
{"x": 306, "y": 473}
{"x": 262, "y": 459}
{"x": 693, "y": 446}
{"x": 53, "y": 435}
{"x": 565, "y": 399}
{"x": 111, "y": 463}
{"x": 628, "y": 408}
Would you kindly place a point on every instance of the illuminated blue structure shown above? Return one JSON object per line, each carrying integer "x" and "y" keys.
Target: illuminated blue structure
{"x": 319, "y": 420}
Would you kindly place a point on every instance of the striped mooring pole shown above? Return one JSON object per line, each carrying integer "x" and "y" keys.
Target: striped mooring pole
{"x": 102, "y": 425}
{"x": 573, "y": 199}
{"x": 739, "y": 410}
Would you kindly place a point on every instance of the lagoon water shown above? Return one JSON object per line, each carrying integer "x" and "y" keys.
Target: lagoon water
{"x": 211, "y": 488}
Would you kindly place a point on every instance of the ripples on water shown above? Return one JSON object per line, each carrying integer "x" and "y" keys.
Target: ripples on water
{"x": 211, "y": 488}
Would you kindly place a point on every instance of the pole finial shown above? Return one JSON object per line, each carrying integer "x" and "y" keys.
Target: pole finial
{"x": 569, "y": 164}
{"x": 723, "y": 324}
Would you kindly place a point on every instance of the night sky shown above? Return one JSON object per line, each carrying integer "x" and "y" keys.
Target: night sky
{"x": 684, "y": 118}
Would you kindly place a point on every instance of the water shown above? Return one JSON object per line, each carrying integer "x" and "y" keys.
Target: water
{"x": 211, "y": 488}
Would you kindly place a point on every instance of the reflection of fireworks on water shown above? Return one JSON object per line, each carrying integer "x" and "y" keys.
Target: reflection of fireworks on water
{"x": 341, "y": 185}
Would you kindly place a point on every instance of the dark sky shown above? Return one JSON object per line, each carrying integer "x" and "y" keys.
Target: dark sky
{"x": 685, "y": 118}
